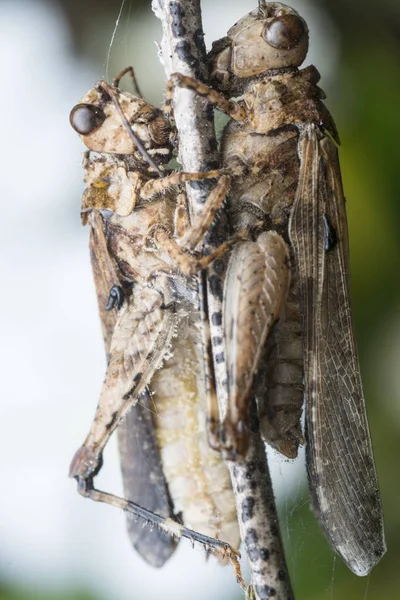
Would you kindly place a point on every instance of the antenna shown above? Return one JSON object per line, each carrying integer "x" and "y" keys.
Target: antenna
{"x": 111, "y": 91}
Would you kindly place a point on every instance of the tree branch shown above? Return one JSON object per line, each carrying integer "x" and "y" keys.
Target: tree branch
{"x": 258, "y": 520}
{"x": 183, "y": 51}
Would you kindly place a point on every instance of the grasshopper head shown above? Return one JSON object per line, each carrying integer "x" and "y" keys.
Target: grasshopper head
{"x": 100, "y": 127}
{"x": 273, "y": 36}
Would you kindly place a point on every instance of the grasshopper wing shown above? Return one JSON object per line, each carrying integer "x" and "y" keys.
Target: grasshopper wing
{"x": 142, "y": 474}
{"x": 340, "y": 463}
{"x": 144, "y": 482}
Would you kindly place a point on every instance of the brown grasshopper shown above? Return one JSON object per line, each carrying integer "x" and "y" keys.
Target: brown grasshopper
{"x": 278, "y": 148}
{"x": 143, "y": 256}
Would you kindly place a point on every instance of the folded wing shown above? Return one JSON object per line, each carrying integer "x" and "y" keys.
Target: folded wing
{"x": 341, "y": 469}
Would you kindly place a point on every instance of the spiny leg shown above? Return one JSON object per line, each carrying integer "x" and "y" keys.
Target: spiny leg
{"x": 234, "y": 109}
{"x": 171, "y": 527}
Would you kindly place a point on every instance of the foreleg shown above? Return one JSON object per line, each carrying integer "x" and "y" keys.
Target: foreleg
{"x": 154, "y": 187}
{"x": 233, "y": 109}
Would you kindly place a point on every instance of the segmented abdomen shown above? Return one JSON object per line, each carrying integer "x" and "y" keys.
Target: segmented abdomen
{"x": 198, "y": 479}
{"x": 280, "y": 388}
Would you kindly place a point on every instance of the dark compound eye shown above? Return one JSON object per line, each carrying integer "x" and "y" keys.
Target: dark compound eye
{"x": 86, "y": 118}
{"x": 285, "y": 32}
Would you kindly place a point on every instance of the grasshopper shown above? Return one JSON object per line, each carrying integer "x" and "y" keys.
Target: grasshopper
{"x": 143, "y": 257}
{"x": 287, "y": 309}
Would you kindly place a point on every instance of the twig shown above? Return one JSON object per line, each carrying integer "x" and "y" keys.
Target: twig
{"x": 183, "y": 51}
{"x": 258, "y": 520}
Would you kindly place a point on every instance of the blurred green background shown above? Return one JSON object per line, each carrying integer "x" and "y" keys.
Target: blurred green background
{"x": 51, "y": 53}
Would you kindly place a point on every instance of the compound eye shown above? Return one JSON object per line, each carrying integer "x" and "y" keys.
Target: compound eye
{"x": 86, "y": 118}
{"x": 285, "y": 32}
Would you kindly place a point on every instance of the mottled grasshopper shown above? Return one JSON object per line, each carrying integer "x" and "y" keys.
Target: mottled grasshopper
{"x": 143, "y": 257}
{"x": 278, "y": 148}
